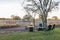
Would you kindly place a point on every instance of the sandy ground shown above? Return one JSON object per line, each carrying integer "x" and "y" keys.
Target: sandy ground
{"x": 17, "y": 29}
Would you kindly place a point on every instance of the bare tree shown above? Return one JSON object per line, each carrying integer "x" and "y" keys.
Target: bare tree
{"x": 30, "y": 14}
{"x": 27, "y": 17}
{"x": 42, "y": 7}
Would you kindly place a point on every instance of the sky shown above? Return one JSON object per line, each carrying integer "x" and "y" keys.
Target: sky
{"x": 14, "y": 7}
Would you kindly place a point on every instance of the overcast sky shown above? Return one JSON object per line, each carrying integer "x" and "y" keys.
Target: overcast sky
{"x": 14, "y": 7}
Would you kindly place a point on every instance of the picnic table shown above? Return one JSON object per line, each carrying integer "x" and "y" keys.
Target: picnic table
{"x": 30, "y": 28}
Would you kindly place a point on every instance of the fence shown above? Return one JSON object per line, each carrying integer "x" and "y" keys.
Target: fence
{"x": 22, "y": 23}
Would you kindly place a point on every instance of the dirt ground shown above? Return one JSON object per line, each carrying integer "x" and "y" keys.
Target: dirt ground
{"x": 17, "y": 29}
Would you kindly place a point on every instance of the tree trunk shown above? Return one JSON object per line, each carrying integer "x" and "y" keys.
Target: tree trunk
{"x": 44, "y": 21}
{"x": 34, "y": 22}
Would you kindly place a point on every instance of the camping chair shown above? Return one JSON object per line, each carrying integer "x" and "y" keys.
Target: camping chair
{"x": 40, "y": 27}
{"x": 49, "y": 28}
{"x": 53, "y": 27}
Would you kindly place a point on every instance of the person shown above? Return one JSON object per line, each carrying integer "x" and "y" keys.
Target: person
{"x": 31, "y": 24}
{"x": 49, "y": 27}
{"x": 53, "y": 26}
{"x": 40, "y": 25}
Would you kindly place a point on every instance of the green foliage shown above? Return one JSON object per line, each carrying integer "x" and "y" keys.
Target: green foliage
{"x": 55, "y": 17}
{"x": 15, "y": 17}
{"x": 2, "y": 18}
